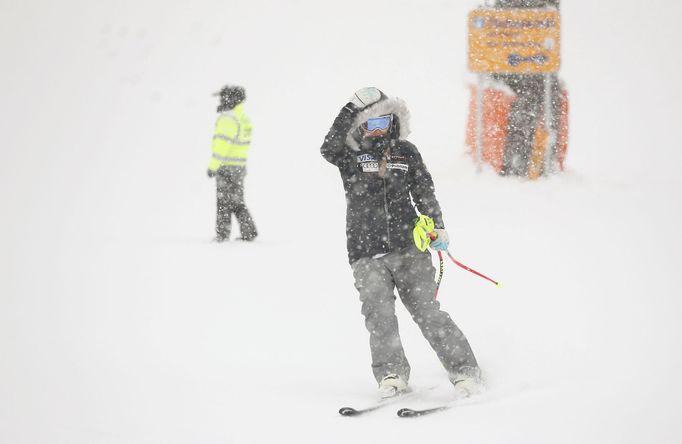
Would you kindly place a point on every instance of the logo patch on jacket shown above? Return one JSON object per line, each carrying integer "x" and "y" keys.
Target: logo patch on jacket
{"x": 397, "y": 166}
{"x": 370, "y": 167}
{"x": 369, "y": 164}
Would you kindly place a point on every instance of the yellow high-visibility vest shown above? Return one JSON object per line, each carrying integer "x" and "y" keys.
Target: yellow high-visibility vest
{"x": 231, "y": 139}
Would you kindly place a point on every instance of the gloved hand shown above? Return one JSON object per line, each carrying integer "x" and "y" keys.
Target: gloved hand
{"x": 442, "y": 240}
{"x": 210, "y": 173}
{"x": 365, "y": 97}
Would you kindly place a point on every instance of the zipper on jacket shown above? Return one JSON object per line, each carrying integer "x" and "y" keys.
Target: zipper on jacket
{"x": 388, "y": 220}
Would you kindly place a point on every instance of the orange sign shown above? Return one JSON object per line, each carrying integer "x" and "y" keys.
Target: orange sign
{"x": 514, "y": 40}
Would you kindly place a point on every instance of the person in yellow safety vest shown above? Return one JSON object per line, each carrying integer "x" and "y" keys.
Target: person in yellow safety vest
{"x": 230, "y": 149}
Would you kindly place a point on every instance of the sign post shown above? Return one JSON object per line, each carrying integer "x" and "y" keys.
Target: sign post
{"x": 515, "y": 41}
{"x": 479, "y": 122}
{"x": 551, "y": 131}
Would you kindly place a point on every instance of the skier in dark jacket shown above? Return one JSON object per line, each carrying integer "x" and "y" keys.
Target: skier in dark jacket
{"x": 382, "y": 175}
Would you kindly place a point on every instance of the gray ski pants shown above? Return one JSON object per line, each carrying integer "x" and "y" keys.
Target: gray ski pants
{"x": 230, "y": 200}
{"x": 413, "y": 274}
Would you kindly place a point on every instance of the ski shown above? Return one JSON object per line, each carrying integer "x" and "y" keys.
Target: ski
{"x": 350, "y": 411}
{"x": 412, "y": 413}
{"x": 447, "y": 405}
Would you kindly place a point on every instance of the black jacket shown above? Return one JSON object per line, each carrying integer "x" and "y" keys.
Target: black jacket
{"x": 379, "y": 212}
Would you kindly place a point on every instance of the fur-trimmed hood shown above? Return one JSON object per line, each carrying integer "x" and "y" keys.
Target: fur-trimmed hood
{"x": 389, "y": 105}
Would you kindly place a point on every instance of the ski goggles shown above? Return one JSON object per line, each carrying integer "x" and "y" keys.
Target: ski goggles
{"x": 377, "y": 126}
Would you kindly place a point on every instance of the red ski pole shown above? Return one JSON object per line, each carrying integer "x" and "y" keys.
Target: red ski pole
{"x": 433, "y": 237}
{"x": 497, "y": 284}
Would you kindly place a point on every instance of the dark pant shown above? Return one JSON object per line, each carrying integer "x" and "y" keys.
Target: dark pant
{"x": 230, "y": 192}
{"x": 412, "y": 273}
{"x": 526, "y": 111}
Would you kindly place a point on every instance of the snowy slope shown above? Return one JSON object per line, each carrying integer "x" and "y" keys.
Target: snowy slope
{"x": 119, "y": 320}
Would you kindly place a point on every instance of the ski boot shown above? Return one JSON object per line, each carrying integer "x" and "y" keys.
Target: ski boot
{"x": 392, "y": 385}
{"x": 467, "y": 382}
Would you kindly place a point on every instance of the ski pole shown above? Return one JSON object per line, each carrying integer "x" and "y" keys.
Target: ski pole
{"x": 440, "y": 272}
{"x": 497, "y": 284}
{"x": 433, "y": 237}
{"x": 441, "y": 268}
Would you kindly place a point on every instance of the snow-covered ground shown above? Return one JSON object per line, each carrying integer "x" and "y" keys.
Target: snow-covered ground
{"x": 120, "y": 322}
